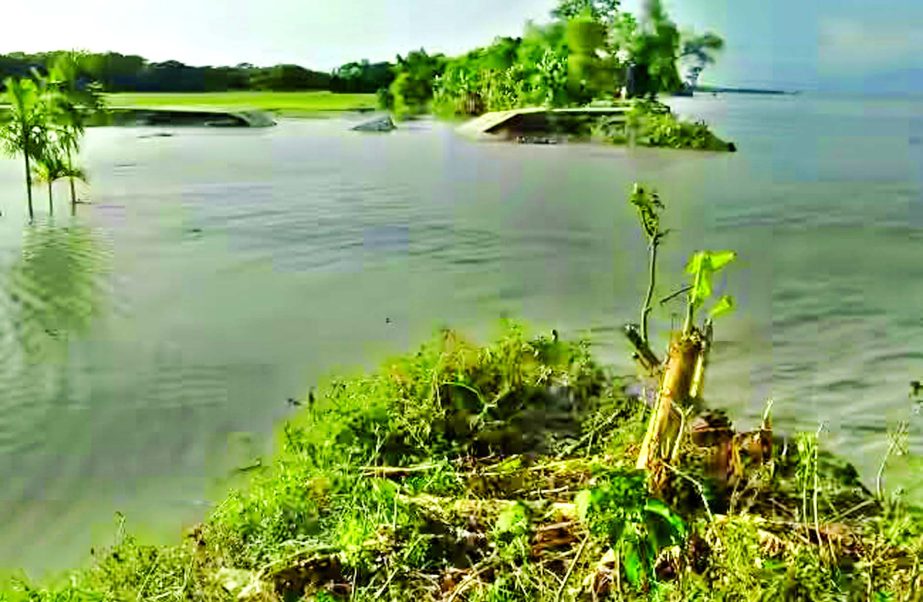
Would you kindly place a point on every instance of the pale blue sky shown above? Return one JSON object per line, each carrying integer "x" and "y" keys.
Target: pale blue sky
{"x": 806, "y": 44}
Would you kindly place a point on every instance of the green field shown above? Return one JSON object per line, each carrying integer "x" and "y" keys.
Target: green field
{"x": 282, "y": 103}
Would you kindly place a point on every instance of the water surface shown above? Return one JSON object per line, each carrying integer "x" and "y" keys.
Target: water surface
{"x": 148, "y": 345}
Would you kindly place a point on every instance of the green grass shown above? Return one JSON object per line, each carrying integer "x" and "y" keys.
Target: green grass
{"x": 282, "y": 103}
{"x": 505, "y": 473}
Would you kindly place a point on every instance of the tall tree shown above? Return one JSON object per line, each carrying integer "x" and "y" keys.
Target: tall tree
{"x": 654, "y": 51}
{"x": 26, "y": 127}
{"x": 590, "y": 68}
{"x": 699, "y": 51}
{"x": 412, "y": 89}
{"x": 70, "y": 107}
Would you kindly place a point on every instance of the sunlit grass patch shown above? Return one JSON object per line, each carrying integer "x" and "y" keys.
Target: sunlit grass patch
{"x": 283, "y": 103}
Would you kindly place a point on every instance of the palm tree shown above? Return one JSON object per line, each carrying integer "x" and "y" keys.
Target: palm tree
{"x": 51, "y": 167}
{"x": 25, "y": 129}
{"x": 71, "y": 106}
{"x": 43, "y": 172}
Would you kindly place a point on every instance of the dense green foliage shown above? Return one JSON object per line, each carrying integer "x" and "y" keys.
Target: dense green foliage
{"x": 362, "y": 77}
{"x": 506, "y": 473}
{"x": 589, "y": 51}
{"x": 412, "y": 89}
{"x": 130, "y": 73}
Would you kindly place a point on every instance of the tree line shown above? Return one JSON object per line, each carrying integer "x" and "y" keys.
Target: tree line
{"x": 131, "y": 73}
{"x": 591, "y": 50}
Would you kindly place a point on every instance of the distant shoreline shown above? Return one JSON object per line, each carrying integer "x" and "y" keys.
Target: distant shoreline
{"x": 763, "y": 91}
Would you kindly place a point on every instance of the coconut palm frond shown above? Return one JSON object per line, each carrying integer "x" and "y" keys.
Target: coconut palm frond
{"x": 42, "y": 173}
{"x": 76, "y": 173}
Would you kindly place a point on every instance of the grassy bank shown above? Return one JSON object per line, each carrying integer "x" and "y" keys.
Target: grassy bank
{"x": 506, "y": 472}
{"x": 282, "y": 103}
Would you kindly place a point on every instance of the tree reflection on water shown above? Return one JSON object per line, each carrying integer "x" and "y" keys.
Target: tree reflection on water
{"x": 50, "y": 293}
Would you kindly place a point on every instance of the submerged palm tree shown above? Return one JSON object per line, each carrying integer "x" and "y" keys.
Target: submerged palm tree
{"x": 71, "y": 106}
{"x": 25, "y": 127}
{"x": 44, "y": 172}
{"x": 53, "y": 166}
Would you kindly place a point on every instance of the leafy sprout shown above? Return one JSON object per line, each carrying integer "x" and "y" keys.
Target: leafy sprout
{"x": 648, "y": 205}
{"x": 637, "y": 526}
{"x": 649, "y": 208}
{"x": 702, "y": 266}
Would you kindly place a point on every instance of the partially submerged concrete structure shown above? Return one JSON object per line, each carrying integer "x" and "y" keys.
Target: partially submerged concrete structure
{"x": 539, "y": 121}
{"x": 181, "y": 116}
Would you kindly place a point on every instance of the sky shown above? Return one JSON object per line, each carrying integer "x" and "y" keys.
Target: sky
{"x": 844, "y": 45}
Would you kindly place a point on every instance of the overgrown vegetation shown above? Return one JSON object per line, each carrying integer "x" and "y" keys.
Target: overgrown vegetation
{"x": 506, "y": 472}
{"x": 591, "y": 50}
{"x": 650, "y": 123}
{"x": 523, "y": 470}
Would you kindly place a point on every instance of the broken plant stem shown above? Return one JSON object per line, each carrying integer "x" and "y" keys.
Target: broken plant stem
{"x": 618, "y": 572}
{"x": 894, "y": 444}
{"x": 690, "y": 306}
{"x": 652, "y": 281}
{"x": 570, "y": 569}
{"x": 643, "y": 353}
{"x": 673, "y": 395}
{"x": 683, "y": 414}
{"x": 672, "y": 296}
{"x": 698, "y": 487}
{"x": 698, "y": 375}
{"x": 485, "y": 566}
{"x": 816, "y": 493}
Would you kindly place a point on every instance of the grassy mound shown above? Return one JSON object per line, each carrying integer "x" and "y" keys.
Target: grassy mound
{"x": 506, "y": 472}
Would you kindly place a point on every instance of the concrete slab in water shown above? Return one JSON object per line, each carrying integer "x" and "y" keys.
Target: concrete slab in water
{"x": 184, "y": 116}
{"x": 503, "y": 125}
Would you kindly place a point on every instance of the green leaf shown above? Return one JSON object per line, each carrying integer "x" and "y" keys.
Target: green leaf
{"x": 634, "y": 565}
{"x": 702, "y": 291}
{"x": 709, "y": 261}
{"x": 695, "y": 262}
{"x": 719, "y": 259}
{"x": 658, "y": 508}
{"x": 513, "y": 521}
{"x": 615, "y": 529}
{"x": 582, "y": 504}
{"x": 725, "y": 305}
{"x": 701, "y": 266}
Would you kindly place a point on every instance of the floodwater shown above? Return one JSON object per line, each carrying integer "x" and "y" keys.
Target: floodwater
{"x": 149, "y": 344}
